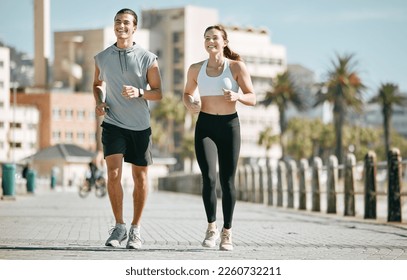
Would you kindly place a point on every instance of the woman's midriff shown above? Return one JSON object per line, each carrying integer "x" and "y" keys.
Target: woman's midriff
{"x": 217, "y": 105}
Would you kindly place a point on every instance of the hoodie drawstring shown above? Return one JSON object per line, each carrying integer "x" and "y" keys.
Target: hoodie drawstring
{"x": 125, "y": 61}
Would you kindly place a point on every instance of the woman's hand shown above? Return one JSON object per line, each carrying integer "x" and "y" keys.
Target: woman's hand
{"x": 231, "y": 96}
{"x": 193, "y": 105}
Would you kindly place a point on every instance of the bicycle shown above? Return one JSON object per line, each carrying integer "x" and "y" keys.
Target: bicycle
{"x": 99, "y": 184}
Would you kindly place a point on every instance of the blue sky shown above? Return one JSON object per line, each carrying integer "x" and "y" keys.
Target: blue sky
{"x": 313, "y": 31}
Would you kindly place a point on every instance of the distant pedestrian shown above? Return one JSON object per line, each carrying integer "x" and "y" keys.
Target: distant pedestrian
{"x": 24, "y": 173}
{"x": 122, "y": 73}
{"x": 217, "y": 132}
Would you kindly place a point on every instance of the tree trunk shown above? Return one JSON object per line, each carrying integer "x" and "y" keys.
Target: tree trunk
{"x": 283, "y": 129}
{"x": 386, "y": 124}
{"x": 339, "y": 122}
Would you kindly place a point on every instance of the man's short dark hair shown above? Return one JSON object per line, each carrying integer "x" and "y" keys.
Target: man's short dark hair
{"x": 130, "y": 12}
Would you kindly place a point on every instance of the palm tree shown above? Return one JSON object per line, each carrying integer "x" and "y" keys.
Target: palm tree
{"x": 267, "y": 139}
{"x": 387, "y": 97}
{"x": 171, "y": 112}
{"x": 343, "y": 88}
{"x": 283, "y": 93}
{"x": 188, "y": 149}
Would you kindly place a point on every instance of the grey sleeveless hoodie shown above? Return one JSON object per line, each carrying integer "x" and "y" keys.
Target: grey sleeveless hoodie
{"x": 120, "y": 67}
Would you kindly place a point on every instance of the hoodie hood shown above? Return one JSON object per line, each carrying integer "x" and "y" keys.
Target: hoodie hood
{"x": 123, "y": 53}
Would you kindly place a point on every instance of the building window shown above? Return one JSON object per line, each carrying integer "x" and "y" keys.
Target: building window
{"x": 80, "y": 136}
{"x": 177, "y": 55}
{"x": 80, "y": 114}
{"x": 178, "y": 77}
{"x": 68, "y": 136}
{"x": 92, "y": 115}
{"x": 92, "y": 136}
{"x": 16, "y": 145}
{"x": 56, "y": 135}
{"x": 15, "y": 125}
{"x": 68, "y": 114}
{"x": 32, "y": 126}
{"x": 56, "y": 113}
{"x": 175, "y": 37}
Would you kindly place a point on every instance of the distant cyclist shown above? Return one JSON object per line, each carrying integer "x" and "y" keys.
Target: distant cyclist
{"x": 92, "y": 174}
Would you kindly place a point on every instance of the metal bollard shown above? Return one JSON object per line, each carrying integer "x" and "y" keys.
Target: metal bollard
{"x": 394, "y": 187}
{"x": 332, "y": 184}
{"x": 291, "y": 182}
{"x": 316, "y": 184}
{"x": 350, "y": 185}
{"x": 270, "y": 185}
{"x": 303, "y": 184}
{"x": 281, "y": 173}
{"x": 370, "y": 185}
{"x": 256, "y": 189}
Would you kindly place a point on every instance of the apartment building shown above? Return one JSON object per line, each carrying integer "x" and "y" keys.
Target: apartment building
{"x": 18, "y": 124}
{"x": 4, "y": 102}
{"x": 65, "y": 118}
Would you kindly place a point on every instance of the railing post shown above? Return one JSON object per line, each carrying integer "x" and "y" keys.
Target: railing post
{"x": 245, "y": 187}
{"x": 238, "y": 182}
{"x": 291, "y": 181}
{"x": 270, "y": 184}
{"x": 281, "y": 173}
{"x": 255, "y": 184}
{"x": 316, "y": 184}
{"x": 394, "y": 187}
{"x": 370, "y": 185}
{"x": 349, "y": 196}
{"x": 242, "y": 181}
{"x": 303, "y": 184}
{"x": 249, "y": 186}
{"x": 332, "y": 184}
{"x": 263, "y": 184}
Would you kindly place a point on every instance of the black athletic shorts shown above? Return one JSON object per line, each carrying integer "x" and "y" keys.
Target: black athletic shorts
{"x": 135, "y": 146}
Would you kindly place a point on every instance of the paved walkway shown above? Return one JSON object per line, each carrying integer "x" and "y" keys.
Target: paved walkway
{"x": 60, "y": 225}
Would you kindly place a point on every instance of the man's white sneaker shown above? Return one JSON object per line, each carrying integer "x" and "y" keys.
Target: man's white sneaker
{"x": 134, "y": 241}
{"x": 117, "y": 235}
{"x": 210, "y": 238}
{"x": 226, "y": 241}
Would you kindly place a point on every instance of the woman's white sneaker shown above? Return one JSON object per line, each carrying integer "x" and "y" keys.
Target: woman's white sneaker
{"x": 210, "y": 238}
{"x": 226, "y": 240}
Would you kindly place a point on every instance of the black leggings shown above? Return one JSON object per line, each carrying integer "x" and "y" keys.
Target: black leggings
{"x": 217, "y": 137}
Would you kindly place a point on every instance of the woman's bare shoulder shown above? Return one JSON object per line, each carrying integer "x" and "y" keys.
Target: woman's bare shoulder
{"x": 195, "y": 67}
{"x": 197, "y": 64}
{"x": 236, "y": 64}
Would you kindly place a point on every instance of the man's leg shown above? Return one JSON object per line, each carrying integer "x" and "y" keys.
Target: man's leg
{"x": 140, "y": 192}
{"x": 114, "y": 175}
{"x": 115, "y": 190}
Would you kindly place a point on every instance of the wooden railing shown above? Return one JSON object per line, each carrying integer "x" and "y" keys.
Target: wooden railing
{"x": 318, "y": 188}
{"x": 369, "y": 189}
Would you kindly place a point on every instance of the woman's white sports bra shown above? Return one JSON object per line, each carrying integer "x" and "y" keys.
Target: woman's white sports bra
{"x": 213, "y": 86}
